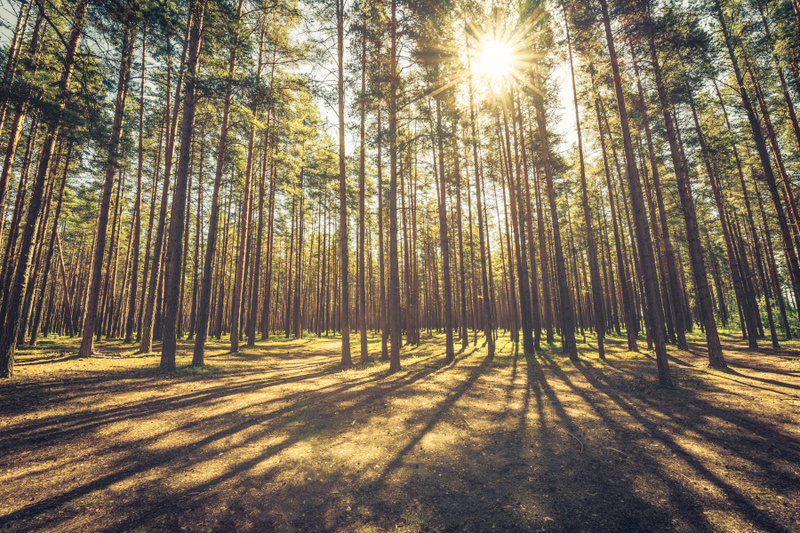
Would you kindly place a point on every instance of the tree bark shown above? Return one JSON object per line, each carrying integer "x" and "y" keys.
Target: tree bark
{"x": 648, "y": 270}
{"x": 174, "y": 262}
{"x": 394, "y": 268}
{"x": 344, "y": 249}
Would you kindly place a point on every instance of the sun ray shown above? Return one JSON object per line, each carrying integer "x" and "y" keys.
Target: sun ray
{"x": 495, "y": 60}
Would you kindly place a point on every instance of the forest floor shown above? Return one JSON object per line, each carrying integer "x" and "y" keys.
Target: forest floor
{"x": 276, "y": 438}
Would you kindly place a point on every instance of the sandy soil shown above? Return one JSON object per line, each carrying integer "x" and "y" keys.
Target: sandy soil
{"x": 276, "y": 438}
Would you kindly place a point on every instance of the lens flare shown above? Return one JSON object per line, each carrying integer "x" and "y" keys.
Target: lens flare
{"x": 495, "y": 60}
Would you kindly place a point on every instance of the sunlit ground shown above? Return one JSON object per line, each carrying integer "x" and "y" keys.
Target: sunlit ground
{"x": 275, "y": 438}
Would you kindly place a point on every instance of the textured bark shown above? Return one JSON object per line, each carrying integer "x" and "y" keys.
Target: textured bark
{"x": 715, "y": 357}
{"x": 155, "y": 279}
{"x": 648, "y": 270}
{"x": 174, "y": 260}
{"x": 714, "y": 348}
{"x": 673, "y": 293}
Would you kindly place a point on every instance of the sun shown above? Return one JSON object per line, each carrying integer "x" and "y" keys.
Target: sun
{"x": 495, "y": 60}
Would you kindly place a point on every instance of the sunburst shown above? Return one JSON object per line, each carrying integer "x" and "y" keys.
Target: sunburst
{"x": 495, "y": 60}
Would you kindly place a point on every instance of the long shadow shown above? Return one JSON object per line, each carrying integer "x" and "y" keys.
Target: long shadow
{"x": 432, "y": 419}
{"x": 731, "y": 372}
{"x": 360, "y": 401}
{"x": 66, "y": 426}
{"x": 45, "y": 359}
{"x": 618, "y": 508}
{"x": 381, "y": 389}
{"x": 739, "y": 500}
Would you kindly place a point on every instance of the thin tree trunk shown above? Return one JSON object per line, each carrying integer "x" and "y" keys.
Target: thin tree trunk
{"x": 382, "y": 256}
{"x": 444, "y": 243}
{"x": 673, "y": 293}
{"x": 567, "y": 317}
{"x": 155, "y": 279}
{"x": 487, "y": 309}
{"x": 594, "y": 270}
{"x": 394, "y": 268}
{"x": 344, "y": 247}
{"x": 362, "y": 296}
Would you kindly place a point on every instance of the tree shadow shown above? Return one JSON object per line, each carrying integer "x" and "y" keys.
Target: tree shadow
{"x": 299, "y": 445}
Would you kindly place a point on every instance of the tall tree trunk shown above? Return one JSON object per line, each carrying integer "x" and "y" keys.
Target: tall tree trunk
{"x": 205, "y": 306}
{"x": 567, "y": 318}
{"x": 296, "y": 326}
{"x": 382, "y": 256}
{"x": 715, "y": 357}
{"x": 594, "y": 270}
{"x": 519, "y": 214}
{"x": 487, "y": 305}
{"x": 544, "y": 256}
{"x": 673, "y": 295}
{"x": 459, "y": 226}
{"x": 343, "y": 239}
{"x": 714, "y": 348}
{"x": 244, "y": 233}
{"x": 394, "y": 267}
{"x": 761, "y": 148}
{"x": 156, "y": 280}
{"x": 137, "y": 207}
{"x": 444, "y": 243}
{"x": 174, "y": 267}
{"x": 362, "y": 296}
{"x": 51, "y": 249}
{"x": 648, "y": 270}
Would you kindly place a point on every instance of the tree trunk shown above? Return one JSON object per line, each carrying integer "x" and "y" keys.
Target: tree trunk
{"x": 174, "y": 263}
{"x": 487, "y": 305}
{"x": 394, "y": 268}
{"x": 155, "y": 279}
{"x": 594, "y": 270}
{"x": 761, "y": 148}
{"x": 362, "y": 296}
{"x": 343, "y": 239}
{"x": 648, "y": 270}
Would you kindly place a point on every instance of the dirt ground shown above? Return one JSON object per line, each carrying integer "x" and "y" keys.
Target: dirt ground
{"x": 276, "y": 438}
